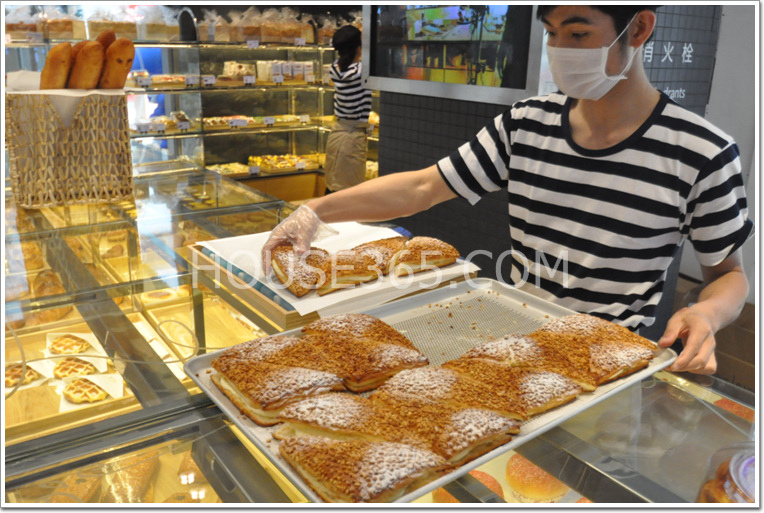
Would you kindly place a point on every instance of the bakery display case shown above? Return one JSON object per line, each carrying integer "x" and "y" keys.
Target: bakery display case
{"x": 104, "y": 304}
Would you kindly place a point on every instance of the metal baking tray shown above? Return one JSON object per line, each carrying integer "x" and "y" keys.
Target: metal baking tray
{"x": 443, "y": 323}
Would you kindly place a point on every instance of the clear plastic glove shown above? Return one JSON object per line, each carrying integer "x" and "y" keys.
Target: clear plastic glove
{"x": 300, "y": 229}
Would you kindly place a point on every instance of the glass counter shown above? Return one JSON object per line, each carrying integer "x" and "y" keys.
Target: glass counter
{"x": 118, "y": 277}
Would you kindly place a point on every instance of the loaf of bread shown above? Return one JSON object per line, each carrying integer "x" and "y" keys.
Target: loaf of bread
{"x": 106, "y": 38}
{"x": 87, "y": 67}
{"x": 119, "y": 60}
{"x": 77, "y": 47}
{"x": 55, "y": 72}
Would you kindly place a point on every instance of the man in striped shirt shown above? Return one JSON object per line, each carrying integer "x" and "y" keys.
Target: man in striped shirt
{"x": 604, "y": 181}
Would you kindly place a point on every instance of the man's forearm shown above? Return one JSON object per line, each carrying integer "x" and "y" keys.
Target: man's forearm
{"x": 723, "y": 299}
{"x": 384, "y": 198}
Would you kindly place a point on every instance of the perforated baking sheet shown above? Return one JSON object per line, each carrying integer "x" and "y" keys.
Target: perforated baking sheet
{"x": 443, "y": 324}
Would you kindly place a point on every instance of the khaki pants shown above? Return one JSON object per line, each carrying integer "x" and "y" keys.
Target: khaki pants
{"x": 345, "y": 155}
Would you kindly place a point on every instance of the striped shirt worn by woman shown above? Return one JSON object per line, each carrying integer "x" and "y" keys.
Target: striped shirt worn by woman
{"x": 351, "y": 100}
{"x": 595, "y": 230}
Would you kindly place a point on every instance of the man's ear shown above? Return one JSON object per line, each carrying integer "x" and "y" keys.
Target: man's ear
{"x": 642, "y": 28}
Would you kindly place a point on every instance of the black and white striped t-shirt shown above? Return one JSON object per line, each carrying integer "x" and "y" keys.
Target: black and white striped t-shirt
{"x": 615, "y": 217}
{"x": 351, "y": 100}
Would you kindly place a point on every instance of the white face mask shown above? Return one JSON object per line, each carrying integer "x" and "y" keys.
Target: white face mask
{"x": 580, "y": 72}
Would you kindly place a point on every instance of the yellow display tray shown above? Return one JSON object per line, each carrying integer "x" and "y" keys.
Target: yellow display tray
{"x": 33, "y": 411}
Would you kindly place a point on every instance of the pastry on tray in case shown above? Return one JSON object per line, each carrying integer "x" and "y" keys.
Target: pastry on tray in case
{"x": 77, "y": 487}
{"x": 68, "y": 367}
{"x": 69, "y": 344}
{"x": 261, "y": 390}
{"x": 422, "y": 254}
{"x": 13, "y": 375}
{"x": 131, "y": 480}
{"x": 360, "y": 470}
{"x": 536, "y": 390}
{"x": 83, "y": 390}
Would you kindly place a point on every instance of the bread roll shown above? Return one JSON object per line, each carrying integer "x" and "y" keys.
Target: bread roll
{"x": 106, "y": 38}
{"x": 57, "y": 65}
{"x": 530, "y": 484}
{"x": 76, "y": 49}
{"x": 119, "y": 60}
{"x": 87, "y": 67}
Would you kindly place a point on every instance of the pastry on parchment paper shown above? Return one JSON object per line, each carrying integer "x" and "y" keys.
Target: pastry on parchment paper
{"x": 422, "y": 254}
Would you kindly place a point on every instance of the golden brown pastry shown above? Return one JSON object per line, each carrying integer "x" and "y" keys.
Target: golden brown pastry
{"x": 422, "y": 254}
{"x": 116, "y": 235}
{"x": 77, "y": 487}
{"x": 115, "y": 251}
{"x": 593, "y": 329}
{"x": 300, "y": 275}
{"x": 529, "y": 483}
{"x": 45, "y": 278}
{"x": 359, "y": 326}
{"x": 58, "y": 62}
{"x": 86, "y": 69}
{"x": 261, "y": 390}
{"x": 83, "y": 390}
{"x": 13, "y": 375}
{"x": 342, "y": 416}
{"x": 106, "y": 38}
{"x": 536, "y": 390}
{"x": 456, "y": 433}
{"x": 362, "y": 364}
{"x": 69, "y": 344}
{"x": 346, "y": 269}
{"x": 68, "y": 367}
{"x": 528, "y": 351}
{"x": 601, "y": 350}
{"x": 459, "y": 434}
{"x": 450, "y": 387}
{"x": 117, "y": 64}
{"x": 77, "y": 48}
{"x": 383, "y": 251}
{"x": 131, "y": 480}
{"x": 359, "y": 470}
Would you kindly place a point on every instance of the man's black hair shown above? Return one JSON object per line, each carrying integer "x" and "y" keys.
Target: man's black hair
{"x": 620, "y": 14}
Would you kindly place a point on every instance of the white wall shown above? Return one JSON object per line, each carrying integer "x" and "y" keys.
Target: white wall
{"x": 732, "y": 106}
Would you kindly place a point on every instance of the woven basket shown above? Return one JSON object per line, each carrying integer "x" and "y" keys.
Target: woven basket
{"x": 52, "y": 165}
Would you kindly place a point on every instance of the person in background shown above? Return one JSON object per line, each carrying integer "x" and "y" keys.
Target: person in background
{"x": 346, "y": 147}
{"x": 608, "y": 176}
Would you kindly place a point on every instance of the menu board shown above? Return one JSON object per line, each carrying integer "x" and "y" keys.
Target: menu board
{"x": 483, "y": 45}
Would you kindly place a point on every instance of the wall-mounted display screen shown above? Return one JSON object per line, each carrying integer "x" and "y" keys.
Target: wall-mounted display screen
{"x": 483, "y": 45}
